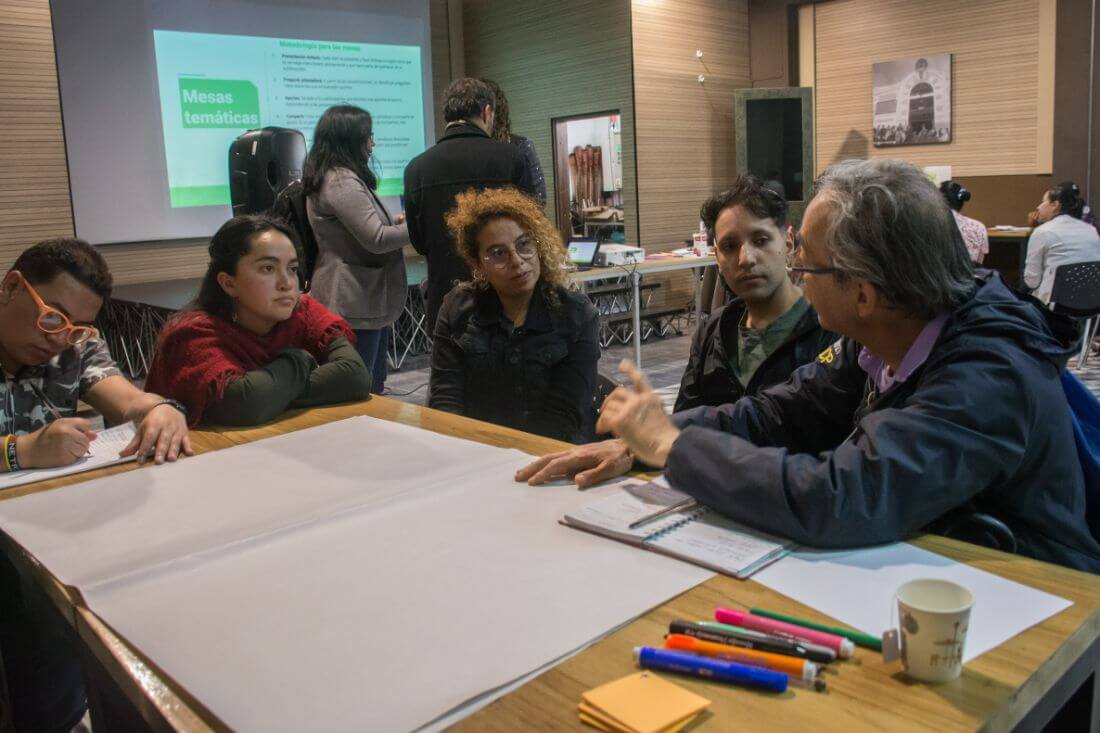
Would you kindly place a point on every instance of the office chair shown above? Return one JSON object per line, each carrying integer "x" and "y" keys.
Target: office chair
{"x": 1076, "y": 293}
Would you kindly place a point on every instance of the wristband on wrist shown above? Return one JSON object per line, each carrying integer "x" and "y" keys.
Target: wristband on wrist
{"x": 11, "y": 461}
{"x": 174, "y": 403}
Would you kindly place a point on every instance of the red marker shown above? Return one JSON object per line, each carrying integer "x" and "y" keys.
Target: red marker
{"x": 843, "y": 647}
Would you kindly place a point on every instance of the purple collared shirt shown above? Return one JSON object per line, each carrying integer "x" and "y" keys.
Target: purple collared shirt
{"x": 883, "y": 378}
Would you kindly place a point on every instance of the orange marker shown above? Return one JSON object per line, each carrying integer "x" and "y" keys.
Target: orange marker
{"x": 799, "y": 670}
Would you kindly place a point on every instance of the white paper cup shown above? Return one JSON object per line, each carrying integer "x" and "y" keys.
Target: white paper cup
{"x": 934, "y": 616}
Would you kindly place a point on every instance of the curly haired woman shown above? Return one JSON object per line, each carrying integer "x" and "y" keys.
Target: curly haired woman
{"x": 514, "y": 347}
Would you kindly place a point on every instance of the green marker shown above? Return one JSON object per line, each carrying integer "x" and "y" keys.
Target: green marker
{"x": 864, "y": 640}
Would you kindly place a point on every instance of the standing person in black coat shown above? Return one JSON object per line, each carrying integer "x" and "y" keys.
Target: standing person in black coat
{"x": 465, "y": 158}
{"x": 502, "y": 130}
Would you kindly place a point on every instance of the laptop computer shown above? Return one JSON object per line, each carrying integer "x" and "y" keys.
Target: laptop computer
{"x": 582, "y": 253}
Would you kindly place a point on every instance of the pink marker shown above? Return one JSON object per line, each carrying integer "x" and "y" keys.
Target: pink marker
{"x": 843, "y": 647}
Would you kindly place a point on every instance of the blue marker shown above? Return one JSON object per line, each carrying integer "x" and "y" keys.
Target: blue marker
{"x": 711, "y": 669}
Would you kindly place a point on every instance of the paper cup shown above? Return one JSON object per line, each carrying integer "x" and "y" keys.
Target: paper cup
{"x": 934, "y": 616}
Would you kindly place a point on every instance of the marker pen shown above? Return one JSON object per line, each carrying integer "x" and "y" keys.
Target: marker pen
{"x": 799, "y": 670}
{"x": 723, "y": 634}
{"x": 843, "y": 647}
{"x": 711, "y": 669}
{"x": 813, "y": 652}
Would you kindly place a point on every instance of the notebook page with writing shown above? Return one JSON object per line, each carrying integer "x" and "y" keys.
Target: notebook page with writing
{"x": 614, "y": 514}
{"x": 721, "y": 544}
{"x": 103, "y": 451}
{"x": 696, "y": 535}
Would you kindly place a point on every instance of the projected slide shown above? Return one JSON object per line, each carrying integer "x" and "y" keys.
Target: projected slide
{"x": 214, "y": 87}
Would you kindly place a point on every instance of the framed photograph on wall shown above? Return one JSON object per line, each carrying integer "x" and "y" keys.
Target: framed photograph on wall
{"x": 911, "y": 101}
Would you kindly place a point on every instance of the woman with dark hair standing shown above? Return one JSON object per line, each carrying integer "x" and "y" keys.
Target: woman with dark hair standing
{"x": 250, "y": 345}
{"x": 1060, "y": 238}
{"x": 502, "y": 131}
{"x": 360, "y": 271}
{"x": 515, "y": 346}
{"x": 974, "y": 234}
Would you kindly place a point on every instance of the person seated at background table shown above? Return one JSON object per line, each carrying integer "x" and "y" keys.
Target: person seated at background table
{"x": 975, "y": 234}
{"x": 1060, "y": 238}
{"x": 769, "y": 330}
{"x": 942, "y": 396}
{"x": 514, "y": 346}
{"x": 52, "y": 357}
{"x": 251, "y": 345}
{"x": 360, "y": 271}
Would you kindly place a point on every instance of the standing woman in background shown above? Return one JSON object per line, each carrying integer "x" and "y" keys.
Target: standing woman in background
{"x": 360, "y": 271}
{"x": 502, "y": 131}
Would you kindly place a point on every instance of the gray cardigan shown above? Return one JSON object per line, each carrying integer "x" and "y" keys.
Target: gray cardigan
{"x": 360, "y": 271}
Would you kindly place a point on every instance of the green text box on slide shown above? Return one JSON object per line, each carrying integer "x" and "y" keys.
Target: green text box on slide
{"x": 208, "y": 103}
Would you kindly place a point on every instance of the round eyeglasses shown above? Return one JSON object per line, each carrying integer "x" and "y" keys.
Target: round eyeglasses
{"x": 52, "y": 321}
{"x": 500, "y": 255}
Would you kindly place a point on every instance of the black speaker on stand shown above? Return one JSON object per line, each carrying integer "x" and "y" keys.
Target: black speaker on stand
{"x": 261, "y": 164}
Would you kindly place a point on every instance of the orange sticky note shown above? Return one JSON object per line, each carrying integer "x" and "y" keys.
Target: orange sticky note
{"x": 643, "y": 703}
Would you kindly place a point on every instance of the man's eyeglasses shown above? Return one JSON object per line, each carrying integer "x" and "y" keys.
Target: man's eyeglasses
{"x": 794, "y": 268}
{"x": 53, "y": 321}
{"x": 499, "y": 256}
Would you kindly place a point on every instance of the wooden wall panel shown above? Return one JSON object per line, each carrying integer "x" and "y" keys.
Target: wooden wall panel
{"x": 441, "y": 58}
{"x": 560, "y": 59}
{"x": 34, "y": 179}
{"x": 685, "y": 129}
{"x": 997, "y": 79}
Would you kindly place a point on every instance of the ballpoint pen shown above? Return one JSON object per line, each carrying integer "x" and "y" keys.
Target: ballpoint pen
{"x": 677, "y": 507}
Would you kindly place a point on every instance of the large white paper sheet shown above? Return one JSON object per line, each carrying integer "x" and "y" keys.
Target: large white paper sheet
{"x": 103, "y": 451}
{"x": 103, "y": 529}
{"x": 399, "y": 602}
{"x": 857, "y": 587}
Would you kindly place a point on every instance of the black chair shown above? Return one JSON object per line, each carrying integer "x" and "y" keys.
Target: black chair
{"x": 1076, "y": 293}
{"x": 977, "y": 528}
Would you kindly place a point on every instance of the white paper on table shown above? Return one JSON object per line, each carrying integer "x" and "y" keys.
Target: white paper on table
{"x": 107, "y": 528}
{"x": 857, "y": 587}
{"x": 357, "y": 576}
{"x": 103, "y": 451}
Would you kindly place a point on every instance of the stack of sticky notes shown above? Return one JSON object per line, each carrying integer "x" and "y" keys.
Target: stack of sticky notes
{"x": 640, "y": 703}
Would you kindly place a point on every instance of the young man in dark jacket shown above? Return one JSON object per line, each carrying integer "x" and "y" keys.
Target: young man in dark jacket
{"x": 465, "y": 158}
{"x": 943, "y": 395}
{"x": 757, "y": 340}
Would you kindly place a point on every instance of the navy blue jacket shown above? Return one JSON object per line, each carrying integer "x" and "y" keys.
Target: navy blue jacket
{"x": 983, "y": 425}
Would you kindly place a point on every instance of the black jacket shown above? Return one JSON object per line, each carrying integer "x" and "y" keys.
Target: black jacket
{"x": 539, "y": 378}
{"x": 709, "y": 378}
{"x": 464, "y": 158}
{"x": 983, "y": 425}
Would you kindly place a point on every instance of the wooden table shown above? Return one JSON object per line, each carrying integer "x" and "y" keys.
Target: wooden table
{"x": 1018, "y": 685}
{"x": 1008, "y": 254}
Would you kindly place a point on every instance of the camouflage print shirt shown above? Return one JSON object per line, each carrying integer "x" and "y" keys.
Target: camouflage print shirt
{"x": 60, "y": 382}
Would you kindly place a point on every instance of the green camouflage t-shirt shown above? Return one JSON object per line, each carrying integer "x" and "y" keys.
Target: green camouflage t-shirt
{"x": 59, "y": 383}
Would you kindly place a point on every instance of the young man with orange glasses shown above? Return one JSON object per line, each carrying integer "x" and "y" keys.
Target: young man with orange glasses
{"x": 51, "y": 357}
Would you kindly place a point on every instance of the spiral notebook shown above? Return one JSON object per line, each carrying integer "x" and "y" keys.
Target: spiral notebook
{"x": 697, "y": 535}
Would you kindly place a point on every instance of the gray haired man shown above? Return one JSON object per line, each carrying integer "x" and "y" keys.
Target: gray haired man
{"x": 941, "y": 397}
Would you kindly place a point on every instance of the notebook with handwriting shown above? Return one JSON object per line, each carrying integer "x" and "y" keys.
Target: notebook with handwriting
{"x": 696, "y": 535}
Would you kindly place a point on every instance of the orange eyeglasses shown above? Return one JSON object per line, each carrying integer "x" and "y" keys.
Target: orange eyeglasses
{"x": 53, "y": 321}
